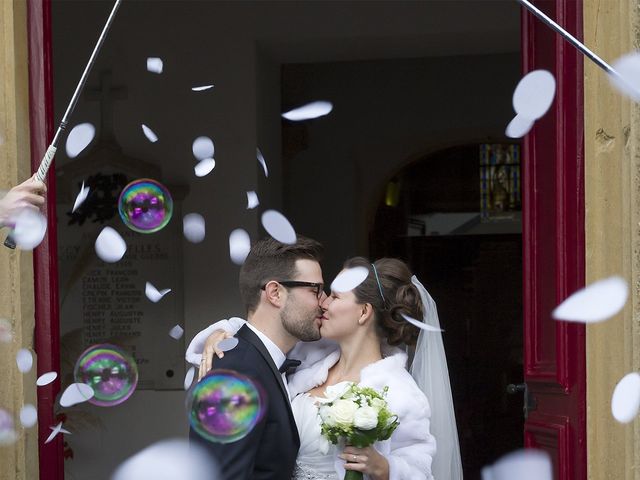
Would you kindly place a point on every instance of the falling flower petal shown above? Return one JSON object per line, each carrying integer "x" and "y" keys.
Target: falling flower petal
{"x": 193, "y": 227}
{"x": 227, "y": 344}
{"x": 76, "y": 393}
{"x": 151, "y": 136}
{"x": 252, "y": 200}
{"x": 597, "y": 302}
{"x": 154, "y": 65}
{"x": 169, "y": 460}
{"x": 46, "y": 378}
{"x": 419, "y": 324}
{"x": 188, "y": 378}
{"x": 153, "y": 294}
{"x": 203, "y": 148}
{"x": 24, "y": 360}
{"x": 6, "y": 333}
{"x": 262, "y": 162}
{"x": 349, "y": 279}
{"x": 527, "y": 464}
{"x": 30, "y": 229}
{"x": 239, "y": 245}
{"x": 278, "y": 227}
{"x": 201, "y": 88}
{"x": 110, "y": 246}
{"x": 79, "y": 138}
{"x": 176, "y": 332}
{"x": 309, "y": 111}
{"x": 534, "y": 94}
{"x": 55, "y": 431}
{"x": 628, "y": 82}
{"x": 204, "y": 167}
{"x": 82, "y": 196}
{"x": 625, "y": 401}
{"x": 518, "y": 127}
{"x": 28, "y": 416}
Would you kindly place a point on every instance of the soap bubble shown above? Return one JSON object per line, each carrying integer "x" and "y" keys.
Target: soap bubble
{"x": 225, "y": 406}
{"x": 145, "y": 206}
{"x": 7, "y": 431}
{"x": 110, "y": 371}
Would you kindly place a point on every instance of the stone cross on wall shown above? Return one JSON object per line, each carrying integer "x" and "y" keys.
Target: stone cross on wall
{"x": 106, "y": 94}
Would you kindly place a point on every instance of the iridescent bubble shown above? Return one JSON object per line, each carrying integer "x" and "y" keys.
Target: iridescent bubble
{"x": 7, "y": 431}
{"x": 110, "y": 371}
{"x": 145, "y": 206}
{"x": 225, "y": 406}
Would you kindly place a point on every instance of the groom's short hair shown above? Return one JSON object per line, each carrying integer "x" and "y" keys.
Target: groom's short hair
{"x": 272, "y": 260}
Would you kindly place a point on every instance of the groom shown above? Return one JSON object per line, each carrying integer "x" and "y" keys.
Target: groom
{"x": 282, "y": 288}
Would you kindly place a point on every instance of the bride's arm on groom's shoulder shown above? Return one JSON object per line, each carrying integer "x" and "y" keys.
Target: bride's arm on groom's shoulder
{"x": 198, "y": 343}
{"x": 412, "y": 445}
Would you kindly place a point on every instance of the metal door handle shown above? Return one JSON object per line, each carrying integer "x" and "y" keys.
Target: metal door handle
{"x": 530, "y": 402}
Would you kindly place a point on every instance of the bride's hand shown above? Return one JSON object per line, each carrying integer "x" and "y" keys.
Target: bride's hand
{"x": 366, "y": 460}
{"x": 211, "y": 349}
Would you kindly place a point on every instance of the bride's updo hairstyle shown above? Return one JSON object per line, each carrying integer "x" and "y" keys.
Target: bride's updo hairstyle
{"x": 395, "y": 295}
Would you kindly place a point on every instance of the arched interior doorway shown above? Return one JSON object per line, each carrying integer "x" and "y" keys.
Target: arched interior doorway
{"x": 430, "y": 213}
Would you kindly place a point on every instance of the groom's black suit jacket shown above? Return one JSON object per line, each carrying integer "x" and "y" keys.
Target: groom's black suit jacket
{"x": 269, "y": 451}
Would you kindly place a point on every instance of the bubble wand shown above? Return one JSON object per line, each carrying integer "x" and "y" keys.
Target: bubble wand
{"x": 41, "y": 173}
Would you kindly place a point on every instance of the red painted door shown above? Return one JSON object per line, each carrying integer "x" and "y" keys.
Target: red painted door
{"x": 553, "y": 246}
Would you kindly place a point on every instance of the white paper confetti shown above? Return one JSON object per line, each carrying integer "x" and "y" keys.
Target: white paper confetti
{"x": 309, "y": 111}
{"x": 239, "y": 245}
{"x": 76, "y": 393}
{"x": 24, "y": 360}
{"x": 262, "y": 162}
{"x": 176, "y": 332}
{"x": 193, "y": 227}
{"x": 527, "y": 464}
{"x": 6, "y": 331}
{"x": 203, "y": 148}
{"x": 349, "y": 279}
{"x": 421, "y": 325}
{"x": 79, "y": 138}
{"x": 188, "y": 378}
{"x": 30, "y": 227}
{"x": 518, "y": 127}
{"x": 55, "y": 431}
{"x": 625, "y": 401}
{"x": 201, "y": 88}
{"x": 169, "y": 460}
{"x": 110, "y": 246}
{"x": 204, "y": 167}
{"x": 597, "y": 302}
{"x": 227, "y": 344}
{"x": 628, "y": 67}
{"x": 534, "y": 94}
{"x": 46, "y": 378}
{"x": 278, "y": 227}
{"x": 151, "y": 136}
{"x": 155, "y": 65}
{"x": 252, "y": 200}
{"x": 153, "y": 294}
{"x": 28, "y": 416}
{"x": 82, "y": 196}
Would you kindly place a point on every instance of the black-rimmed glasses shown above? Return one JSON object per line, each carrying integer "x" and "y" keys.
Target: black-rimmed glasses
{"x": 319, "y": 287}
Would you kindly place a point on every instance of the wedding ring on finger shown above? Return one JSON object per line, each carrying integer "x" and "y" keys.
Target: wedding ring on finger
{"x": 355, "y": 458}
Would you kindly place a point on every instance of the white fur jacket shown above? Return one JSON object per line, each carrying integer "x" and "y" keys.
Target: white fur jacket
{"x": 411, "y": 447}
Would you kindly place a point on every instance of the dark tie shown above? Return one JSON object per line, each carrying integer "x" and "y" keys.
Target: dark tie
{"x": 289, "y": 366}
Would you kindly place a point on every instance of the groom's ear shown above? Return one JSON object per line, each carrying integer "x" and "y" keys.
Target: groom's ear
{"x": 273, "y": 294}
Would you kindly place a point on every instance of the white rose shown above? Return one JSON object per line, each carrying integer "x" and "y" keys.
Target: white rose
{"x": 342, "y": 411}
{"x": 326, "y": 416}
{"x": 333, "y": 392}
{"x": 378, "y": 404}
{"x": 366, "y": 418}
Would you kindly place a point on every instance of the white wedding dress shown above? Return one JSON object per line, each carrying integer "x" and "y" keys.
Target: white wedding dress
{"x": 316, "y": 457}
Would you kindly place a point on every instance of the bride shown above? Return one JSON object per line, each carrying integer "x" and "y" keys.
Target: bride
{"x": 364, "y": 338}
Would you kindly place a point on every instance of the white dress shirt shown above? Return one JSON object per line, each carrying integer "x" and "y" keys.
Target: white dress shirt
{"x": 276, "y": 354}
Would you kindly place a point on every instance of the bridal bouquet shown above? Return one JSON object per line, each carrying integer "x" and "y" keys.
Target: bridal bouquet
{"x": 357, "y": 415}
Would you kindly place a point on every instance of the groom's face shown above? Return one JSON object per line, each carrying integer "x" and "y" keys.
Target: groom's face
{"x": 301, "y": 314}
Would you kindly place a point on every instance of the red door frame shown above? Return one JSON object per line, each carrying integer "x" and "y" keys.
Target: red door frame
{"x": 45, "y": 257}
{"x": 554, "y": 245}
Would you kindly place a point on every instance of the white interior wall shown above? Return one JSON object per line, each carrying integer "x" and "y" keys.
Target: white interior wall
{"x": 387, "y": 112}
